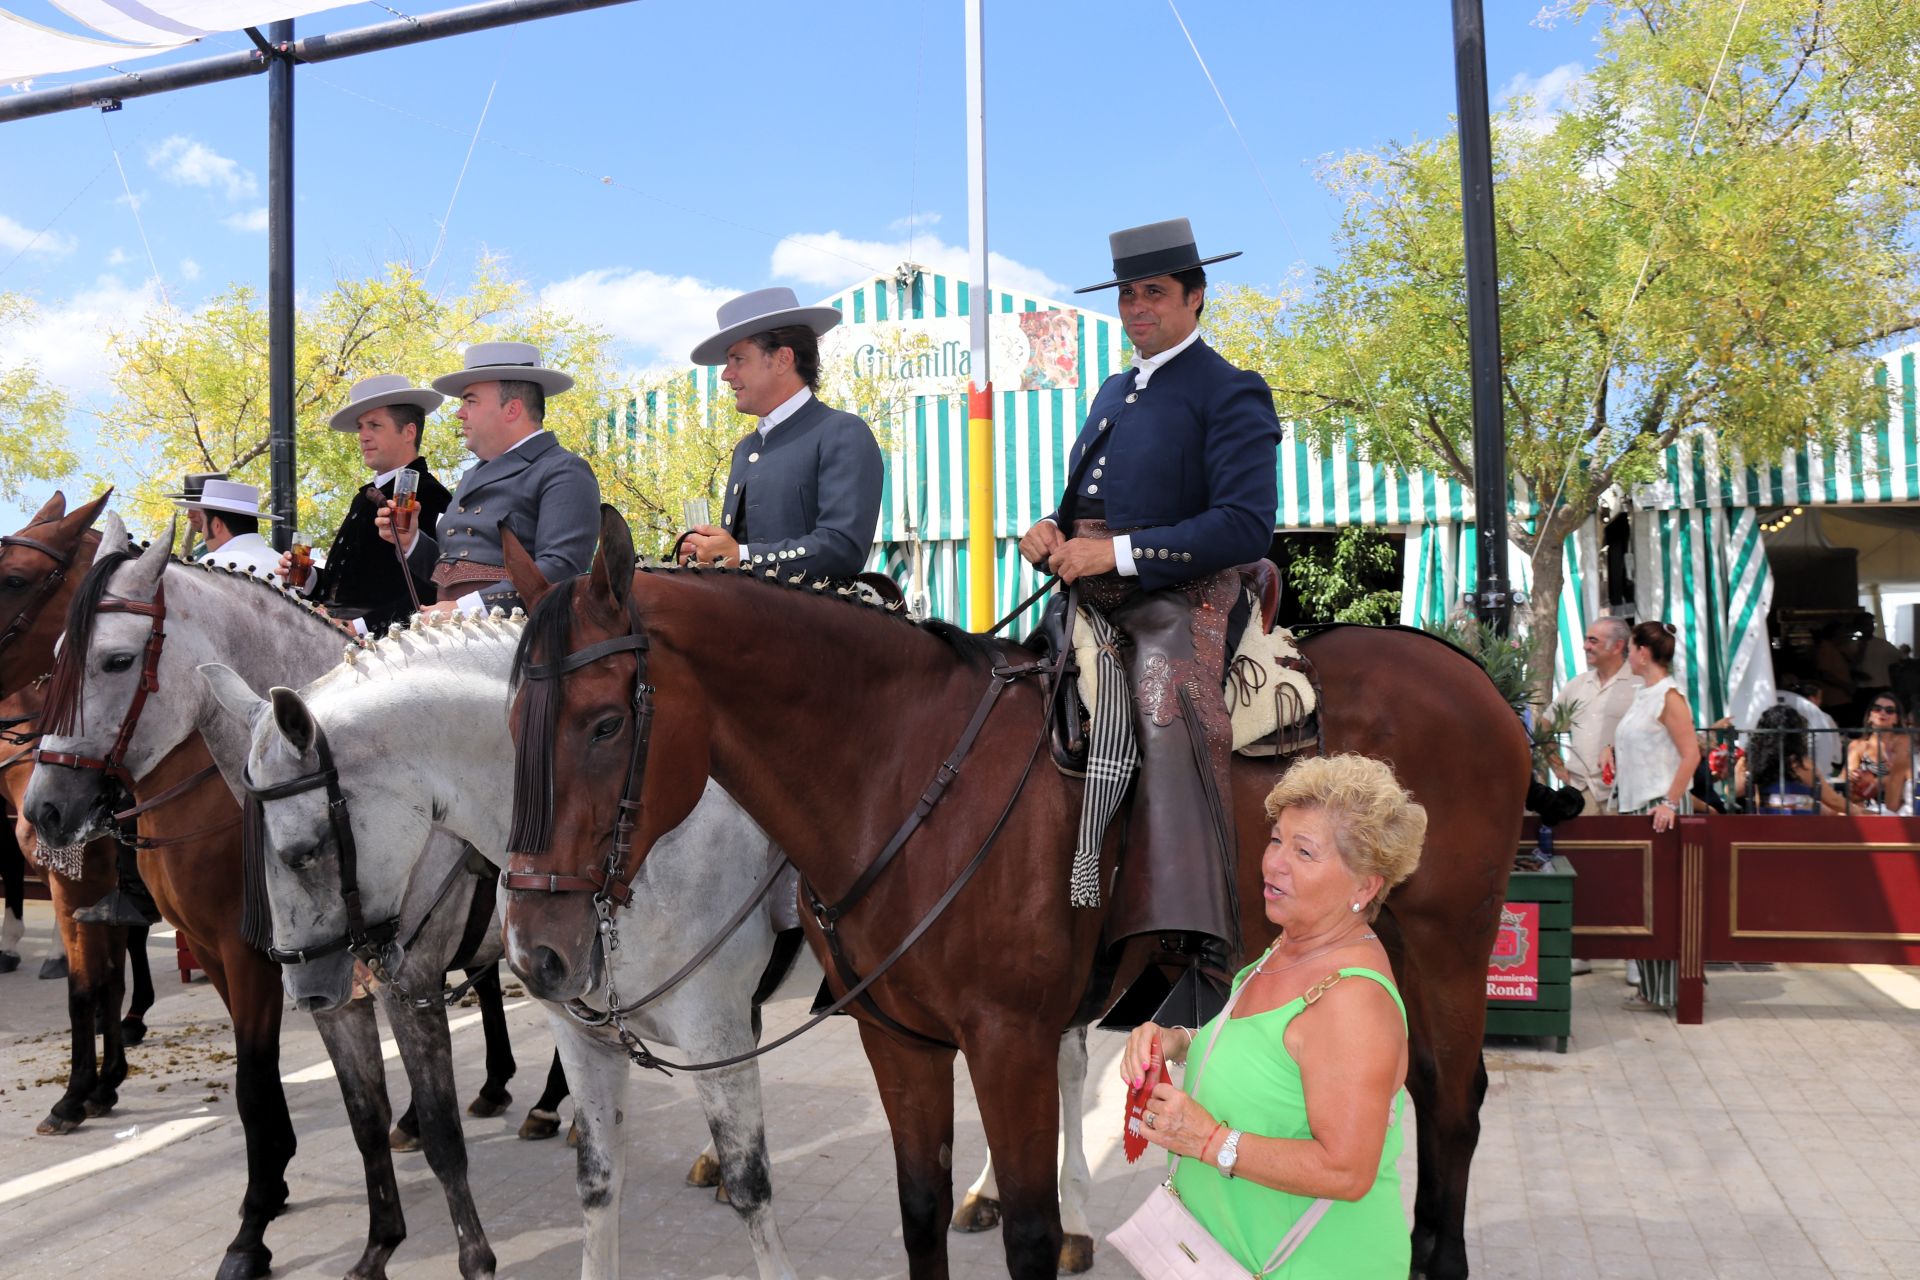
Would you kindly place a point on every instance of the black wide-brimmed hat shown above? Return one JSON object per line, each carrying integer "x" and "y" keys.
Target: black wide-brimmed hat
{"x": 1157, "y": 249}
{"x": 195, "y": 482}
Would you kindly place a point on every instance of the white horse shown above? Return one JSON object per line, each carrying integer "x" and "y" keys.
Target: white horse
{"x": 416, "y": 727}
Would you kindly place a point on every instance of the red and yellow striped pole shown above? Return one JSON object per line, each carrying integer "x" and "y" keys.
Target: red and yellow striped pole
{"x": 982, "y": 546}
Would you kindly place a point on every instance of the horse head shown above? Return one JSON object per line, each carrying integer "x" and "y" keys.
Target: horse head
{"x": 97, "y": 727}
{"x": 586, "y": 710}
{"x": 49, "y": 553}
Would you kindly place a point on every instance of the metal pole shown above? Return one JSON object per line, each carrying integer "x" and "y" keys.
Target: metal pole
{"x": 1491, "y": 598}
{"x": 981, "y": 544}
{"x": 280, "y": 283}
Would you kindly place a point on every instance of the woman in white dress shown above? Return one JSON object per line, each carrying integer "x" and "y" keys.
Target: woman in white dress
{"x": 1655, "y": 751}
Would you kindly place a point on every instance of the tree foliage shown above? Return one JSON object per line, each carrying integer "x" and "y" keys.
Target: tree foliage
{"x": 1351, "y": 580}
{"x": 33, "y": 412}
{"x": 1652, "y": 281}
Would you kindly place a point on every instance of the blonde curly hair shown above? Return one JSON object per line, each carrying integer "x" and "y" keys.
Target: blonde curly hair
{"x": 1379, "y": 827}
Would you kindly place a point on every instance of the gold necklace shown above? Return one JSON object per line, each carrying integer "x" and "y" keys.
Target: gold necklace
{"x": 1262, "y": 969}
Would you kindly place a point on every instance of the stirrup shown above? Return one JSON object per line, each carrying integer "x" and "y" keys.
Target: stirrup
{"x": 117, "y": 907}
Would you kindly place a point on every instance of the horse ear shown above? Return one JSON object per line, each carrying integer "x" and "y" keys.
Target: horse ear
{"x": 613, "y": 562}
{"x": 233, "y": 694}
{"x": 522, "y": 572}
{"x": 153, "y": 561}
{"x": 55, "y": 508}
{"x": 83, "y": 517}
{"x": 294, "y": 720}
{"x": 113, "y": 534}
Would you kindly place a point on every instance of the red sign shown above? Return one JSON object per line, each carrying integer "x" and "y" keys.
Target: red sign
{"x": 1513, "y": 971}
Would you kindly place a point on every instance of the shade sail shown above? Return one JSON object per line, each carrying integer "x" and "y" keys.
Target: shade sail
{"x": 28, "y": 49}
{"x": 138, "y": 29}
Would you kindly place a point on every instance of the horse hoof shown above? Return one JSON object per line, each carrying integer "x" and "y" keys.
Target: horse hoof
{"x": 53, "y": 967}
{"x": 977, "y": 1213}
{"x": 56, "y": 1126}
{"x": 132, "y": 1031}
{"x": 540, "y": 1125}
{"x": 486, "y": 1108}
{"x": 246, "y": 1264}
{"x": 401, "y": 1140}
{"x": 97, "y": 1107}
{"x": 720, "y": 1194}
{"x": 573, "y": 1133}
{"x": 1076, "y": 1255}
{"x": 9, "y": 961}
{"x": 705, "y": 1172}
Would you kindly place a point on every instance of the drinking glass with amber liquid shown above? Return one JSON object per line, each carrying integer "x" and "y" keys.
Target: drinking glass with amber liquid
{"x": 406, "y": 503}
{"x": 301, "y": 552}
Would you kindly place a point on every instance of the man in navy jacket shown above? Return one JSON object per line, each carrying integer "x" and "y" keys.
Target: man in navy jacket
{"x": 1172, "y": 484}
{"x": 804, "y": 489}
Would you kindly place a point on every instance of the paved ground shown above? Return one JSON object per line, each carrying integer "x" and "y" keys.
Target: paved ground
{"x": 1780, "y": 1139}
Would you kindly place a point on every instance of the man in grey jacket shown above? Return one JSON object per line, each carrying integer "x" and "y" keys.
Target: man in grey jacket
{"x": 547, "y": 495}
{"x": 804, "y": 489}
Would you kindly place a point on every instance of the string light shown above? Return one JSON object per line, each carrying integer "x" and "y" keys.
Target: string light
{"x": 1786, "y": 518}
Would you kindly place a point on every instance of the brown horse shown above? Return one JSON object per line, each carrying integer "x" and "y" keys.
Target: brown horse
{"x": 826, "y": 720}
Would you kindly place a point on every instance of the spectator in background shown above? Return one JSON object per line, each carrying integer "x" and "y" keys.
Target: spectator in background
{"x": 1778, "y": 777}
{"x": 1877, "y": 657}
{"x": 1833, "y": 670}
{"x": 1655, "y": 752}
{"x": 1880, "y": 765}
{"x": 1597, "y": 698}
{"x": 1824, "y": 735}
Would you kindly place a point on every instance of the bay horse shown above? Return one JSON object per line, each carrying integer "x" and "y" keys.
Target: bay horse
{"x": 127, "y": 702}
{"x": 39, "y": 567}
{"x": 436, "y": 696}
{"x": 826, "y": 719}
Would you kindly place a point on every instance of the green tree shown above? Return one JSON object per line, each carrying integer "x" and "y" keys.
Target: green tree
{"x": 1351, "y": 580}
{"x": 193, "y": 387}
{"x": 33, "y": 413}
{"x": 1652, "y": 281}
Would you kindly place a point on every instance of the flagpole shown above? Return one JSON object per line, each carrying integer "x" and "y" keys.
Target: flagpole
{"x": 981, "y": 544}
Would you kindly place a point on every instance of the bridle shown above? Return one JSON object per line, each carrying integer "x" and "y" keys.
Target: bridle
{"x": 608, "y": 882}
{"x": 368, "y": 943}
{"x": 113, "y": 764}
{"x": 30, "y": 611}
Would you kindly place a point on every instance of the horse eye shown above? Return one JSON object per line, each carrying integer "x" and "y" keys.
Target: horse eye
{"x": 15, "y": 582}
{"x": 117, "y": 663}
{"x": 607, "y": 728}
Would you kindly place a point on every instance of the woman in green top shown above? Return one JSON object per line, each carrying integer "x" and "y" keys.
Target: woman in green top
{"x": 1301, "y": 1096}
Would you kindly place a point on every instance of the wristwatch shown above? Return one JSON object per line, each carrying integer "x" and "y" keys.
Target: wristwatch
{"x": 1229, "y": 1153}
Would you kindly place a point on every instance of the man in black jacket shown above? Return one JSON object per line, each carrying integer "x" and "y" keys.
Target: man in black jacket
{"x": 362, "y": 580}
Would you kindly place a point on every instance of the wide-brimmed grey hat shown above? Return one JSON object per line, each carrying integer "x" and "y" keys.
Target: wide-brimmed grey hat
{"x": 193, "y": 482}
{"x": 229, "y": 496}
{"x": 759, "y": 312}
{"x": 1157, "y": 249}
{"x": 504, "y": 362}
{"x": 379, "y": 391}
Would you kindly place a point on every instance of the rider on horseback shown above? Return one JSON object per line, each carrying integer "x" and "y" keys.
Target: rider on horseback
{"x": 1172, "y": 485}
{"x": 804, "y": 489}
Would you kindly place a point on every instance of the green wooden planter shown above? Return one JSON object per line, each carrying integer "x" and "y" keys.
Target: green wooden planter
{"x": 1530, "y": 977}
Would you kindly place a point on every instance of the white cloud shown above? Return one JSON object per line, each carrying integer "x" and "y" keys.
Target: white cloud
{"x": 68, "y": 339}
{"x": 189, "y": 269}
{"x": 664, "y": 315}
{"x": 251, "y": 220}
{"x": 1548, "y": 95}
{"x": 914, "y": 221}
{"x": 832, "y": 260}
{"x": 15, "y": 238}
{"x": 188, "y": 163}
{"x": 131, "y": 199}
{"x": 118, "y": 257}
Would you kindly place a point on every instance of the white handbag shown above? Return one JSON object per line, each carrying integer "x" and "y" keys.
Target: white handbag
{"x": 1162, "y": 1239}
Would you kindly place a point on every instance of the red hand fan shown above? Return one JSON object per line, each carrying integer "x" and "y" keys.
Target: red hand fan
{"x": 1134, "y": 1139}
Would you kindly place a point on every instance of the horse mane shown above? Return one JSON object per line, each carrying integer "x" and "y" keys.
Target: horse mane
{"x": 395, "y": 652}
{"x": 62, "y": 711}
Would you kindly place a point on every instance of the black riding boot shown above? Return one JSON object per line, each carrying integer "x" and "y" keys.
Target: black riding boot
{"x": 128, "y": 903}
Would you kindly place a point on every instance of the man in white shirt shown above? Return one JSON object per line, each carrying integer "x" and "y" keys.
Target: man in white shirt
{"x": 232, "y": 515}
{"x": 1597, "y": 697}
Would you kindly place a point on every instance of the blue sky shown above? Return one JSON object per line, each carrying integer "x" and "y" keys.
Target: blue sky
{"x": 641, "y": 163}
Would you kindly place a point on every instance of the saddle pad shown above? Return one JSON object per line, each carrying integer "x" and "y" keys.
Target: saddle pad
{"x": 1264, "y": 694}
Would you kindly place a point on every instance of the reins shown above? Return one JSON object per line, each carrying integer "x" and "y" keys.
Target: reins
{"x": 134, "y": 840}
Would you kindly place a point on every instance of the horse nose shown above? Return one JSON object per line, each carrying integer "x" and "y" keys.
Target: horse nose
{"x": 45, "y": 817}
{"x": 550, "y": 970}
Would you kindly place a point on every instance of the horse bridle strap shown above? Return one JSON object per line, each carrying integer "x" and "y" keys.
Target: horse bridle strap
{"x": 136, "y": 841}
{"x": 114, "y": 762}
{"x": 62, "y": 561}
{"x": 360, "y": 938}
{"x": 595, "y": 881}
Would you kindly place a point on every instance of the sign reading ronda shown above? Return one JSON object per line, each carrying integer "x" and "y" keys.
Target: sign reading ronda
{"x": 1031, "y": 351}
{"x": 1513, "y": 971}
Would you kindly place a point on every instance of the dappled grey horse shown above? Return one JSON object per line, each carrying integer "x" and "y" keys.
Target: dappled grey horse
{"x": 414, "y": 729}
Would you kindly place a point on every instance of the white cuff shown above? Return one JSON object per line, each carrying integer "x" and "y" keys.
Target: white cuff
{"x": 1123, "y": 562}
{"x": 471, "y": 604}
{"x": 746, "y": 556}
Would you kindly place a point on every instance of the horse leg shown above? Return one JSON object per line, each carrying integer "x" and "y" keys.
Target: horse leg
{"x": 133, "y": 1027}
{"x": 85, "y": 989}
{"x": 1076, "y": 1179}
{"x": 543, "y": 1121}
{"x": 916, "y": 1088}
{"x": 105, "y": 1095}
{"x": 493, "y": 1098}
{"x": 352, "y": 1036}
{"x": 426, "y": 1050}
{"x": 737, "y": 1121}
{"x": 251, "y": 985}
{"x": 1021, "y": 1117}
{"x": 600, "y": 1158}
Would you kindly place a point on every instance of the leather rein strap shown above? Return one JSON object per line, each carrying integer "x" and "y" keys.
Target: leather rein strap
{"x": 362, "y": 939}
{"x": 62, "y": 561}
{"x": 113, "y": 764}
{"x": 135, "y": 841}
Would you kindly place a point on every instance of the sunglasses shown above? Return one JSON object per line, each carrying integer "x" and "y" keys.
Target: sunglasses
{"x": 1890, "y": 710}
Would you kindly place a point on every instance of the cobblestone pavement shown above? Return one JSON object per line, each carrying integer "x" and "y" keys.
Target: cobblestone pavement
{"x": 1780, "y": 1139}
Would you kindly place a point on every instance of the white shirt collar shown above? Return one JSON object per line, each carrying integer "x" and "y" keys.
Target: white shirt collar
{"x": 380, "y": 481}
{"x": 522, "y": 440}
{"x": 1150, "y": 365}
{"x": 786, "y": 409}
